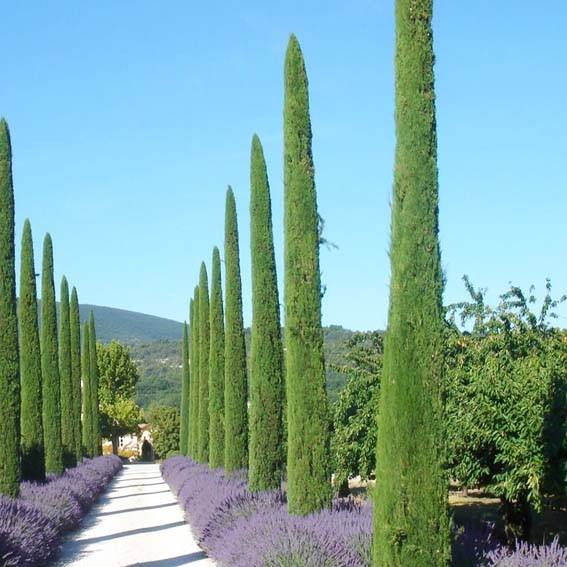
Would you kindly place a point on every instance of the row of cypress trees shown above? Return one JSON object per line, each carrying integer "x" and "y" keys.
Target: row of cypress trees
{"x": 40, "y": 368}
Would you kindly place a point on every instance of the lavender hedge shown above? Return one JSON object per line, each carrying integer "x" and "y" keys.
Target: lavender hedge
{"x": 238, "y": 528}
{"x": 31, "y": 526}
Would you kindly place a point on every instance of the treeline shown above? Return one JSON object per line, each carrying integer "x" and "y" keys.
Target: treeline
{"x": 49, "y": 403}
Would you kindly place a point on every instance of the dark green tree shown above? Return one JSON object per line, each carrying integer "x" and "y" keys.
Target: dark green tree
{"x": 266, "y": 359}
{"x": 51, "y": 388}
{"x": 164, "y": 424}
{"x": 33, "y": 453}
{"x": 309, "y": 475}
{"x": 93, "y": 368}
{"x": 411, "y": 524}
{"x": 86, "y": 394}
{"x": 184, "y": 393}
{"x": 9, "y": 355}
{"x": 195, "y": 378}
{"x": 235, "y": 387}
{"x": 216, "y": 368}
{"x": 66, "y": 376}
{"x": 75, "y": 325}
{"x": 204, "y": 348}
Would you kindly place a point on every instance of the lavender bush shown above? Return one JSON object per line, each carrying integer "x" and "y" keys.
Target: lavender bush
{"x": 527, "y": 555}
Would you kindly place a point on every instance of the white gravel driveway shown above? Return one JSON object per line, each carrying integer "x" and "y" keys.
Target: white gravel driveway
{"x": 137, "y": 521}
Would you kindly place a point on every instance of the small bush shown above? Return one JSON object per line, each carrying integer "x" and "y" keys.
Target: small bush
{"x": 527, "y": 555}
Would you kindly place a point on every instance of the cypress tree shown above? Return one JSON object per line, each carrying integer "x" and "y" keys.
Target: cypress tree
{"x": 266, "y": 359}
{"x": 93, "y": 368}
{"x": 204, "y": 347}
{"x": 51, "y": 388}
{"x": 235, "y": 386}
{"x": 195, "y": 378}
{"x": 309, "y": 478}
{"x": 87, "y": 448}
{"x": 183, "y": 431}
{"x": 9, "y": 355}
{"x": 65, "y": 372}
{"x": 216, "y": 368}
{"x": 75, "y": 326}
{"x": 33, "y": 453}
{"x": 410, "y": 514}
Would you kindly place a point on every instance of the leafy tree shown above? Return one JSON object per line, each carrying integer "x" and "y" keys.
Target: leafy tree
{"x": 75, "y": 327}
{"x": 216, "y": 368}
{"x": 309, "y": 487}
{"x": 411, "y": 524}
{"x": 353, "y": 444}
{"x": 118, "y": 376}
{"x": 195, "y": 379}
{"x": 204, "y": 349}
{"x": 94, "y": 378}
{"x": 50, "y": 366}
{"x": 507, "y": 402}
{"x": 33, "y": 452}
{"x": 184, "y": 415}
{"x": 9, "y": 354}
{"x": 266, "y": 359}
{"x": 66, "y": 377}
{"x": 87, "y": 395}
{"x": 164, "y": 423}
{"x": 236, "y": 386}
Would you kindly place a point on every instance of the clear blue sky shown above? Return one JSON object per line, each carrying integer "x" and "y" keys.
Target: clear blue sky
{"x": 129, "y": 119}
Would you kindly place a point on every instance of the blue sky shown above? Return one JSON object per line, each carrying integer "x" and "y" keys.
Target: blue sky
{"x": 128, "y": 121}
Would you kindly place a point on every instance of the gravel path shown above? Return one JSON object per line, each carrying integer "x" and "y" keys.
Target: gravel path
{"x": 137, "y": 521}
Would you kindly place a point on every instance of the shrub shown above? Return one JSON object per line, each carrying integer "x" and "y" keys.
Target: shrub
{"x": 527, "y": 555}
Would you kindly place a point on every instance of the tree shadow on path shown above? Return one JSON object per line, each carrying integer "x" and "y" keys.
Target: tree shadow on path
{"x": 172, "y": 561}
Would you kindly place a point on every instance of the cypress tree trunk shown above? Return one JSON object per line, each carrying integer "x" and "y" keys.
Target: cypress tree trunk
{"x": 266, "y": 360}
{"x": 65, "y": 372}
{"x": 195, "y": 379}
{"x": 93, "y": 367}
{"x": 216, "y": 368}
{"x": 50, "y": 366}
{"x": 235, "y": 388}
{"x": 87, "y": 449}
{"x": 9, "y": 355}
{"x": 33, "y": 452}
{"x": 75, "y": 326}
{"x": 204, "y": 346}
{"x": 183, "y": 431}
{"x": 309, "y": 476}
{"x": 410, "y": 516}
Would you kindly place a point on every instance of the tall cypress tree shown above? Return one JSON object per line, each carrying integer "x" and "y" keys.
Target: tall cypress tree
{"x": 195, "y": 379}
{"x": 51, "y": 388}
{"x": 410, "y": 515}
{"x": 183, "y": 431}
{"x": 65, "y": 372}
{"x": 216, "y": 368}
{"x": 33, "y": 452}
{"x": 93, "y": 367}
{"x": 204, "y": 348}
{"x": 266, "y": 359}
{"x": 75, "y": 326}
{"x": 87, "y": 448}
{"x": 9, "y": 355}
{"x": 309, "y": 476}
{"x": 236, "y": 386}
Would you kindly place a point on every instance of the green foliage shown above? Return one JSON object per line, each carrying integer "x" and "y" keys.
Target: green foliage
{"x": 184, "y": 414}
{"x": 164, "y": 423}
{"x": 353, "y": 444}
{"x": 75, "y": 327}
{"x": 51, "y": 391}
{"x": 335, "y": 341}
{"x": 87, "y": 396}
{"x": 506, "y": 405}
{"x": 94, "y": 376}
{"x": 236, "y": 386}
{"x": 204, "y": 351}
{"x": 266, "y": 368}
{"x": 33, "y": 452}
{"x": 411, "y": 525}
{"x": 308, "y": 470}
{"x": 65, "y": 373}
{"x": 195, "y": 379}
{"x": 9, "y": 354}
{"x": 216, "y": 368}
